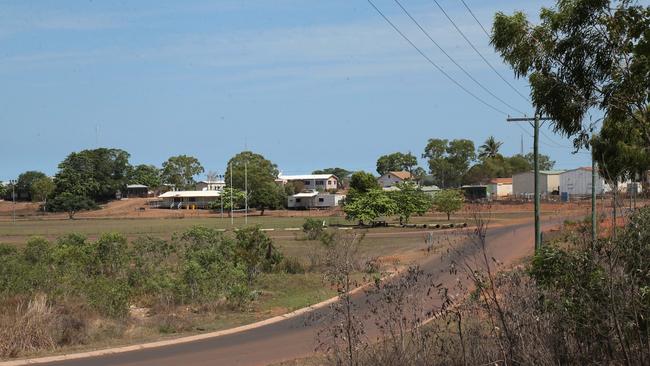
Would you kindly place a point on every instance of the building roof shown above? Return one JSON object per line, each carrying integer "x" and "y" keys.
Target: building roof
{"x": 545, "y": 172}
{"x": 501, "y": 181}
{"x": 403, "y": 175}
{"x": 306, "y": 194}
{"x": 190, "y": 194}
{"x": 306, "y": 176}
{"x": 213, "y": 181}
{"x": 586, "y": 168}
{"x": 136, "y": 186}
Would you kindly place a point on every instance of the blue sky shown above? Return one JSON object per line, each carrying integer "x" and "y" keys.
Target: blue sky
{"x": 308, "y": 84}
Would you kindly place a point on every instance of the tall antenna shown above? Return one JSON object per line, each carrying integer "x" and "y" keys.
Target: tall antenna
{"x": 522, "y": 145}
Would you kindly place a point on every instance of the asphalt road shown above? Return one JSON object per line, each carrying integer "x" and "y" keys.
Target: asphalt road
{"x": 296, "y": 337}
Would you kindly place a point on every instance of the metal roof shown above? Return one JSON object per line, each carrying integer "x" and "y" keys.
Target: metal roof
{"x": 305, "y": 194}
{"x": 190, "y": 194}
{"x": 306, "y": 176}
{"x": 136, "y": 186}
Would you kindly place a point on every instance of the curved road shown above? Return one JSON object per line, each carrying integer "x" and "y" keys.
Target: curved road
{"x": 296, "y": 337}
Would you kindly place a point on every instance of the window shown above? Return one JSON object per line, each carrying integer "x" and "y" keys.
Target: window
{"x": 330, "y": 182}
{"x": 297, "y": 200}
{"x": 321, "y": 199}
{"x": 306, "y": 182}
{"x": 192, "y": 199}
{"x": 320, "y": 182}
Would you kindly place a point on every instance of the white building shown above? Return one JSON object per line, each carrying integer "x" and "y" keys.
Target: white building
{"x": 524, "y": 183}
{"x": 188, "y": 199}
{"x": 314, "y": 199}
{"x": 577, "y": 182}
{"x": 211, "y": 185}
{"x": 311, "y": 181}
{"x": 390, "y": 179}
{"x": 499, "y": 188}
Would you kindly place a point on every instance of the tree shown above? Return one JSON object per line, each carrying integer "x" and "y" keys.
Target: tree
{"x": 42, "y": 188}
{"x": 396, "y": 162}
{"x": 583, "y": 55}
{"x": 238, "y": 199}
{"x": 490, "y": 148}
{"x": 418, "y": 175}
{"x": 362, "y": 182}
{"x": 340, "y": 173}
{"x": 255, "y": 250}
{"x": 145, "y": 174}
{"x": 409, "y": 199}
{"x": 24, "y": 184}
{"x": 448, "y": 201}
{"x": 255, "y": 173}
{"x": 179, "y": 171}
{"x": 368, "y": 206}
{"x": 96, "y": 174}
{"x": 70, "y": 203}
{"x": 545, "y": 162}
{"x": 449, "y": 160}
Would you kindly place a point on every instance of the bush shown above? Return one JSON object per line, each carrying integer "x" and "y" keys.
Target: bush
{"x": 291, "y": 265}
{"x": 313, "y": 228}
{"x": 109, "y": 297}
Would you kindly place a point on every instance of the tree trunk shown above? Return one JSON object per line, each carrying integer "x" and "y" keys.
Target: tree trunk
{"x": 448, "y": 216}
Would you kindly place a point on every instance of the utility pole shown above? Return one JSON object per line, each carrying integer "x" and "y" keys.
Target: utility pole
{"x": 246, "y": 192}
{"x": 13, "y": 197}
{"x": 536, "y": 124}
{"x": 232, "y": 219}
{"x": 594, "y": 222}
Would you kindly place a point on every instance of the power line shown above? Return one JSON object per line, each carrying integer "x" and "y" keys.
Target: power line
{"x": 475, "y": 18}
{"x": 454, "y": 61}
{"x": 477, "y": 51}
{"x": 433, "y": 63}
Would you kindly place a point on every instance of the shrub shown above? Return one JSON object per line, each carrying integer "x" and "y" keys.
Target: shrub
{"x": 109, "y": 297}
{"x": 313, "y": 228}
{"x": 291, "y": 265}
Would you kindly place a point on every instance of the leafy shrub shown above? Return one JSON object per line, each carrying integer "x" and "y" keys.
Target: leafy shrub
{"x": 109, "y": 297}
{"x": 313, "y": 228}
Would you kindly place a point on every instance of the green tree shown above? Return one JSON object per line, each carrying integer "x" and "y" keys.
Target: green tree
{"x": 490, "y": 148}
{"x": 262, "y": 173}
{"x": 418, "y": 175}
{"x": 24, "y": 184}
{"x": 238, "y": 200}
{"x": 255, "y": 249}
{"x": 41, "y": 189}
{"x": 396, "y": 162}
{"x": 360, "y": 183}
{"x": 409, "y": 200}
{"x": 582, "y": 55}
{"x": 449, "y": 160}
{"x": 368, "y": 206}
{"x": 448, "y": 201}
{"x": 545, "y": 162}
{"x": 519, "y": 164}
{"x": 70, "y": 203}
{"x": 179, "y": 171}
{"x": 145, "y": 174}
{"x": 97, "y": 174}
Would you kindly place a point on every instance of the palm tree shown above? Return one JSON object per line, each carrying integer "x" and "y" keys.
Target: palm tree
{"x": 490, "y": 148}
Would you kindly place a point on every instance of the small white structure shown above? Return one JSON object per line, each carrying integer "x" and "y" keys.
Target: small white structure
{"x": 188, "y": 199}
{"x": 311, "y": 181}
{"x": 390, "y": 179}
{"x": 577, "y": 182}
{"x": 500, "y": 187}
{"x": 211, "y": 185}
{"x": 523, "y": 184}
{"x": 314, "y": 199}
